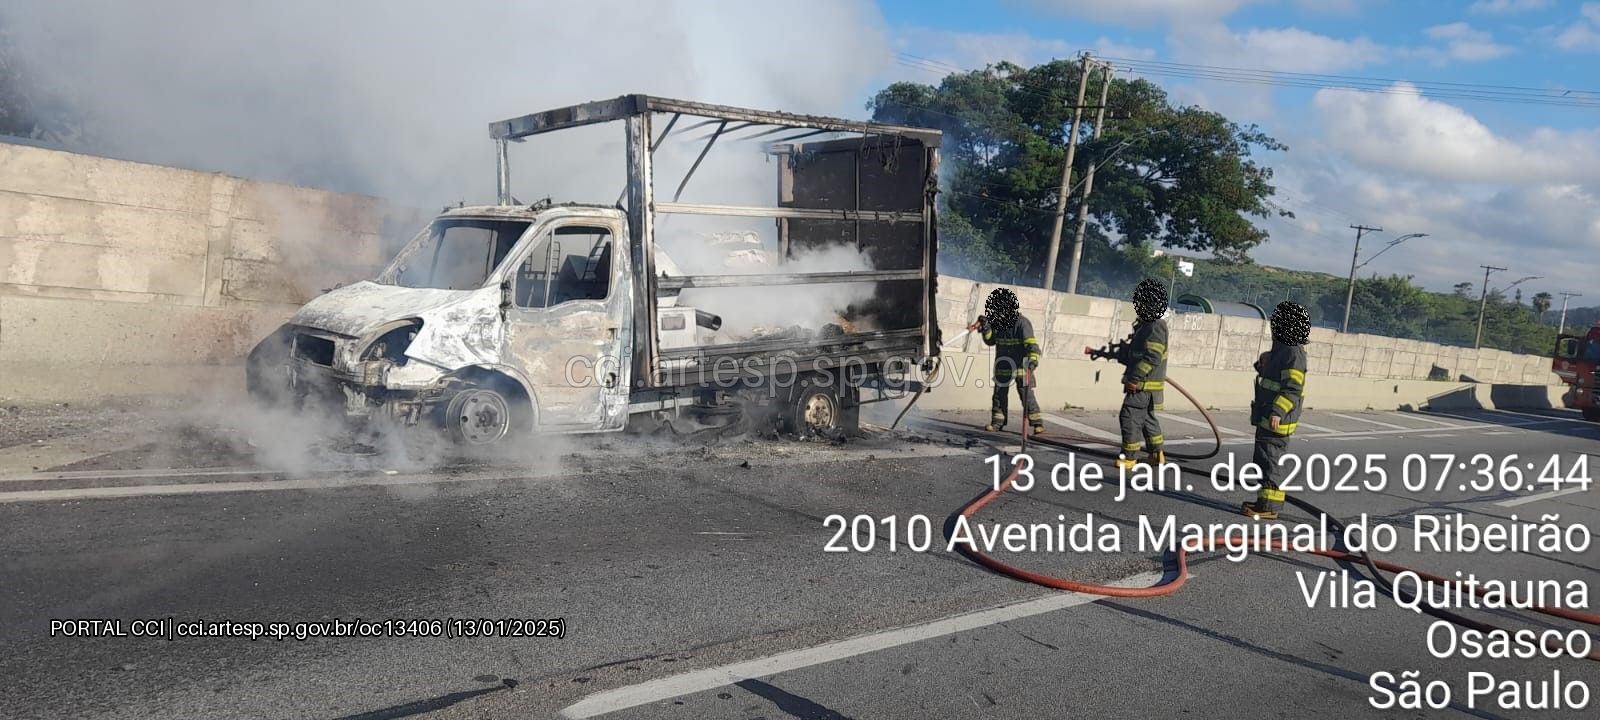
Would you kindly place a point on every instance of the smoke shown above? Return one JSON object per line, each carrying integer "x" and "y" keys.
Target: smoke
{"x": 393, "y": 99}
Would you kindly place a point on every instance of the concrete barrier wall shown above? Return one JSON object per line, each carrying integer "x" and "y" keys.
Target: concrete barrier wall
{"x": 1067, "y": 323}
{"x": 963, "y": 383}
{"x": 125, "y": 279}
{"x": 122, "y": 279}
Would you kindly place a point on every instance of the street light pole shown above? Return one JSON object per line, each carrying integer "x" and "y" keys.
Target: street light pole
{"x": 1564, "y": 297}
{"x": 1350, "y": 296}
{"x": 1483, "y": 302}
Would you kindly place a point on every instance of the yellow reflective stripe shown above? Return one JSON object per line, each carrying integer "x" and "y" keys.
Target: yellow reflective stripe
{"x": 1272, "y": 385}
{"x": 1157, "y": 439}
{"x": 1035, "y": 416}
{"x": 1130, "y": 447}
{"x": 1009, "y": 341}
{"x": 1283, "y": 427}
{"x": 1158, "y": 347}
{"x": 1283, "y": 403}
{"x": 1295, "y": 376}
{"x": 1271, "y": 495}
{"x": 1152, "y": 385}
{"x": 1030, "y": 340}
{"x": 1144, "y": 368}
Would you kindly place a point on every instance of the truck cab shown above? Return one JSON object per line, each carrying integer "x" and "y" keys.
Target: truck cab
{"x": 1575, "y": 361}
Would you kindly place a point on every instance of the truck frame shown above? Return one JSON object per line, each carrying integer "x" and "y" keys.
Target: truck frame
{"x": 532, "y": 336}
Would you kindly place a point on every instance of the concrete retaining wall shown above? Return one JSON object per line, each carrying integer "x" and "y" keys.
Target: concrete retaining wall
{"x": 124, "y": 279}
{"x": 963, "y": 383}
{"x": 1201, "y": 341}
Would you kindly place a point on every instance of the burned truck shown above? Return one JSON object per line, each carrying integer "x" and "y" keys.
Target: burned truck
{"x": 512, "y": 319}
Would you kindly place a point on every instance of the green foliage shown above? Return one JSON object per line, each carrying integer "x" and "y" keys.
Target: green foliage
{"x": 1178, "y": 177}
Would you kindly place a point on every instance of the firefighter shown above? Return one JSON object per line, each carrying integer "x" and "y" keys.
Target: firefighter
{"x": 1144, "y": 381}
{"x": 1016, "y": 357}
{"x": 1280, "y": 396}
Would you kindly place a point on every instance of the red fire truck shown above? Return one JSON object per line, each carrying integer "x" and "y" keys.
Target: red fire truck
{"x": 1576, "y": 359}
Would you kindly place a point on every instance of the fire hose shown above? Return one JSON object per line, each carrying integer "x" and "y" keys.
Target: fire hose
{"x": 1375, "y": 566}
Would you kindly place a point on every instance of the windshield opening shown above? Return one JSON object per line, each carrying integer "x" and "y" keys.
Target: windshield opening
{"x": 459, "y": 254}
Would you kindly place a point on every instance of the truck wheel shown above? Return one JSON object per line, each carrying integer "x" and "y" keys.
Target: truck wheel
{"x": 817, "y": 409}
{"x": 479, "y": 417}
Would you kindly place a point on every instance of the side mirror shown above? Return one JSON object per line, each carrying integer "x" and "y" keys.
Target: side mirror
{"x": 1567, "y": 348}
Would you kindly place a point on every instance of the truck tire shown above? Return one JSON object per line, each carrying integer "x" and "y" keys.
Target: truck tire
{"x": 816, "y": 408}
{"x": 478, "y": 417}
{"x": 1591, "y": 414}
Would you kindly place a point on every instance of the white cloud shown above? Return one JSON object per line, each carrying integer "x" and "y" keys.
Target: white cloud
{"x": 1583, "y": 35}
{"x": 1532, "y": 230}
{"x": 1330, "y": 7}
{"x": 944, "y": 51}
{"x": 1506, "y": 7}
{"x": 1403, "y": 131}
{"x": 1463, "y": 42}
{"x": 1141, "y": 13}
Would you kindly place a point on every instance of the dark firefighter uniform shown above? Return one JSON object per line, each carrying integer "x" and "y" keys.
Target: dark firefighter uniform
{"x": 1144, "y": 386}
{"x": 1016, "y": 351}
{"x": 1280, "y": 395}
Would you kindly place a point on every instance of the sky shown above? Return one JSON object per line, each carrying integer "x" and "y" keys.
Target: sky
{"x": 1508, "y": 184}
{"x": 392, "y": 98}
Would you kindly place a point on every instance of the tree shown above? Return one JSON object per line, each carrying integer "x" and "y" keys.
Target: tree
{"x": 1541, "y": 304}
{"x": 1463, "y": 289}
{"x": 1179, "y": 177}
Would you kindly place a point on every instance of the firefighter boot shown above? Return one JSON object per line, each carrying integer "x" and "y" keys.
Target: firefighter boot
{"x": 1126, "y": 463}
{"x": 1038, "y": 429}
{"x": 1157, "y": 457}
{"x": 1266, "y": 506}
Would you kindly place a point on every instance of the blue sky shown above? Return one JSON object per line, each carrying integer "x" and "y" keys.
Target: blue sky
{"x": 1511, "y": 184}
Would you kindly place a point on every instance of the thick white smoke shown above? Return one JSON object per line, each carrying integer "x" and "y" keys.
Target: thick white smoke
{"x": 394, "y": 98}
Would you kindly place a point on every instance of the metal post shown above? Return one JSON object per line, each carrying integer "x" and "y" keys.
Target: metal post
{"x": 1088, "y": 186}
{"x": 1483, "y": 302}
{"x": 1066, "y": 178}
{"x": 503, "y": 168}
{"x": 1350, "y": 296}
{"x": 1564, "y": 297}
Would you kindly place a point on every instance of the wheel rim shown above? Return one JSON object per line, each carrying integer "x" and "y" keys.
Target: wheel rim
{"x": 482, "y": 417}
{"x": 820, "y": 412}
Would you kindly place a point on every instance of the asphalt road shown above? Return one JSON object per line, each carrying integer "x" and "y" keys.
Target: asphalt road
{"x": 691, "y": 579}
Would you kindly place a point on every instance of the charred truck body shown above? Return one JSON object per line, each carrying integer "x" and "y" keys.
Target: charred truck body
{"x": 510, "y": 319}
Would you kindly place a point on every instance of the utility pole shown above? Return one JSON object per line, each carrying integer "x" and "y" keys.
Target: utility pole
{"x": 1066, "y": 177}
{"x": 1088, "y": 186}
{"x": 1350, "y": 296}
{"x": 1564, "y": 297}
{"x": 1483, "y": 302}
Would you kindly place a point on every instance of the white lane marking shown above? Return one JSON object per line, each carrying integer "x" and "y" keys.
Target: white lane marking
{"x": 711, "y": 678}
{"x": 1426, "y": 419}
{"x": 1541, "y": 496}
{"x": 136, "y": 474}
{"x": 1547, "y": 418}
{"x": 1440, "y": 435}
{"x": 1379, "y": 423}
{"x": 125, "y": 491}
{"x": 1080, "y": 427}
{"x": 1345, "y": 437}
{"x": 1197, "y": 423}
{"x": 1318, "y": 428}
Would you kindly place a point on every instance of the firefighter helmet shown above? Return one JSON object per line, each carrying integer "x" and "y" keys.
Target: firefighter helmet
{"x": 1001, "y": 309}
{"x": 1149, "y": 300}
{"x": 1291, "y": 324}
